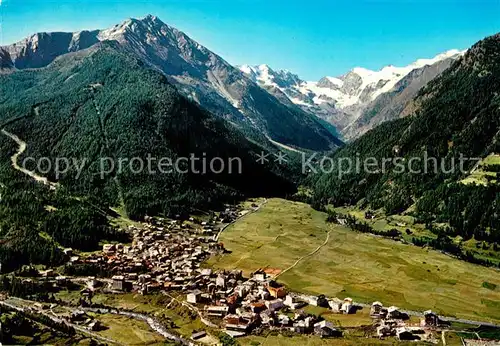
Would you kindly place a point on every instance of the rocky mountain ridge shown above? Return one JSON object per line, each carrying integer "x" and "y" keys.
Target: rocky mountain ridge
{"x": 198, "y": 73}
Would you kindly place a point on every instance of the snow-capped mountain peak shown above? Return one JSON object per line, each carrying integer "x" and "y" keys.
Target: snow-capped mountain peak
{"x": 342, "y": 100}
{"x": 358, "y": 86}
{"x": 264, "y": 75}
{"x": 386, "y": 78}
{"x": 334, "y": 82}
{"x": 448, "y": 54}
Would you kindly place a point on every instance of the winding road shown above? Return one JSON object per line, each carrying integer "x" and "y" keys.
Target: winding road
{"x": 284, "y": 146}
{"x": 15, "y": 161}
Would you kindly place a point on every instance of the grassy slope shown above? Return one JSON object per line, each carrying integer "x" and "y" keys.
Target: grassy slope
{"x": 280, "y": 340}
{"x": 128, "y": 331}
{"x": 382, "y": 222}
{"x": 479, "y": 176}
{"x": 364, "y": 267}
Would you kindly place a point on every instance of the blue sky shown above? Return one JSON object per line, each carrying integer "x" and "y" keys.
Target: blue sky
{"x": 310, "y": 37}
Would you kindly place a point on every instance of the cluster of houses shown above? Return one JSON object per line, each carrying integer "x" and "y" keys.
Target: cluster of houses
{"x": 161, "y": 258}
{"x": 393, "y": 323}
{"x": 240, "y": 306}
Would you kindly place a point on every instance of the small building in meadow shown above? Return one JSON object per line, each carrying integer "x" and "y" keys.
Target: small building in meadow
{"x": 335, "y": 304}
{"x": 198, "y": 335}
{"x": 376, "y": 308}
{"x": 393, "y": 313}
{"x": 316, "y": 300}
{"x": 325, "y": 329}
{"x": 293, "y": 302}
{"x": 347, "y": 306}
{"x": 430, "y": 319}
{"x": 193, "y": 297}
{"x": 118, "y": 282}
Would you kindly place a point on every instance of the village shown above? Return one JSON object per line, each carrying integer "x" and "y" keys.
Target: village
{"x": 168, "y": 256}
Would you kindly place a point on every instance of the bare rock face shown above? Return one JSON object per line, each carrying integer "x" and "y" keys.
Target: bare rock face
{"x": 327, "y": 83}
{"x": 41, "y": 49}
{"x": 5, "y": 60}
{"x": 352, "y": 83}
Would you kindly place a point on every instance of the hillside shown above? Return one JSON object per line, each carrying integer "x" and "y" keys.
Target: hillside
{"x": 456, "y": 115}
{"x": 99, "y": 106}
{"x": 198, "y": 73}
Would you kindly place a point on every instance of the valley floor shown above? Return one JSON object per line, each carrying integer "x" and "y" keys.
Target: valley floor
{"x": 297, "y": 247}
{"x": 361, "y": 266}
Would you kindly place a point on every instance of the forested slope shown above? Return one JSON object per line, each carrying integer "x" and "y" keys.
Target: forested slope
{"x": 103, "y": 103}
{"x": 456, "y": 115}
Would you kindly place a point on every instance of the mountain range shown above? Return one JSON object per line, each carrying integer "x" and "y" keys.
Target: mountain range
{"x": 198, "y": 74}
{"x": 264, "y": 103}
{"x": 357, "y": 101}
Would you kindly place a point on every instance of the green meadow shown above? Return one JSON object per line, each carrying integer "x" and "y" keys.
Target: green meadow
{"x": 483, "y": 176}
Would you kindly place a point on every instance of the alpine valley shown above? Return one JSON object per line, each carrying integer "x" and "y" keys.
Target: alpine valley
{"x": 153, "y": 194}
